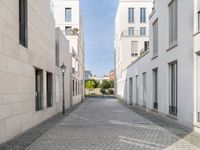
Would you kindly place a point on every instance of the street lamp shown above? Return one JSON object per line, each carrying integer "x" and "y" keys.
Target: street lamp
{"x": 63, "y": 69}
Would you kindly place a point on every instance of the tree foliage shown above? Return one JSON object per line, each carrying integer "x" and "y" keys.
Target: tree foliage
{"x": 105, "y": 84}
{"x": 95, "y": 81}
{"x": 90, "y": 85}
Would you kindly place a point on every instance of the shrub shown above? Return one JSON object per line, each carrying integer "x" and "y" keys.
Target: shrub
{"x": 103, "y": 91}
{"x": 110, "y": 92}
{"x": 105, "y": 85}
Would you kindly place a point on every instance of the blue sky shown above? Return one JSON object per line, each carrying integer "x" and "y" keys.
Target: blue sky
{"x": 99, "y": 17}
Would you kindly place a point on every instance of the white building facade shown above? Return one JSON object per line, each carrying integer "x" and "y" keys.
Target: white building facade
{"x": 68, "y": 18}
{"x": 131, "y": 36}
{"x": 30, "y": 79}
{"x": 165, "y": 79}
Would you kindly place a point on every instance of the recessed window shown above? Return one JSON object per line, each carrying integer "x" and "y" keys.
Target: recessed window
{"x": 155, "y": 38}
{"x": 173, "y": 88}
{"x": 131, "y": 15}
{"x": 68, "y": 30}
{"x": 173, "y": 21}
{"x": 155, "y": 88}
{"x": 146, "y": 46}
{"x": 142, "y": 15}
{"x": 134, "y": 48}
{"x": 137, "y": 89}
{"x": 131, "y": 31}
{"x": 38, "y": 89}
{"x": 198, "y": 21}
{"x": 68, "y": 14}
{"x": 143, "y": 31}
{"x": 23, "y": 25}
{"x": 144, "y": 91}
{"x": 49, "y": 87}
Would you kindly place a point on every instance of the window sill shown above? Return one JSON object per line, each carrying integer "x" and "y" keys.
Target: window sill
{"x": 172, "y": 47}
{"x": 154, "y": 57}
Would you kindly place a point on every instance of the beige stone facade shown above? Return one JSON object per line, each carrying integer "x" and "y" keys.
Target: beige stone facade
{"x": 18, "y": 66}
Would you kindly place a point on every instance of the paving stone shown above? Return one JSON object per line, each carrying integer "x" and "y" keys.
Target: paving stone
{"x": 107, "y": 124}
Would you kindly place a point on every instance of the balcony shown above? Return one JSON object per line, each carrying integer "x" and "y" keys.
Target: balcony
{"x": 136, "y": 33}
{"x": 71, "y": 32}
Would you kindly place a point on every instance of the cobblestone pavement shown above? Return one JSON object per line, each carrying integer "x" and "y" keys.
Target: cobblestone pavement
{"x": 107, "y": 124}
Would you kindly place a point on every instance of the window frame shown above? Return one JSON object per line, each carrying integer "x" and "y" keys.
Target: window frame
{"x": 23, "y": 23}
{"x": 68, "y": 14}
{"x": 131, "y": 15}
{"x": 173, "y": 23}
{"x": 143, "y": 15}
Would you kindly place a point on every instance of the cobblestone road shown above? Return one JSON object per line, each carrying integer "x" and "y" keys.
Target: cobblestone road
{"x": 106, "y": 124}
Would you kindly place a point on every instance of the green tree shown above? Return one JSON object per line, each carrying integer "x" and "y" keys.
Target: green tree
{"x": 105, "y": 84}
{"x": 111, "y": 82}
{"x": 95, "y": 81}
{"x": 90, "y": 85}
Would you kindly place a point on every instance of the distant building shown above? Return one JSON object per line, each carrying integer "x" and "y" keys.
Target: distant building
{"x": 88, "y": 75}
{"x": 69, "y": 19}
{"x": 112, "y": 75}
{"x": 100, "y": 79}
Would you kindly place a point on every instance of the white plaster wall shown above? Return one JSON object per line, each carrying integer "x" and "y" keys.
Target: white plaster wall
{"x": 123, "y": 44}
{"x": 182, "y": 53}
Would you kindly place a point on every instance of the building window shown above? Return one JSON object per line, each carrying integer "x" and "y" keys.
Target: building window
{"x": 131, "y": 31}
{"x": 198, "y": 87}
{"x": 155, "y": 38}
{"x": 155, "y": 88}
{"x": 199, "y": 21}
{"x": 68, "y": 30}
{"x": 38, "y": 89}
{"x": 142, "y": 31}
{"x": 173, "y": 20}
{"x": 49, "y": 89}
{"x": 57, "y": 58}
{"x": 130, "y": 90}
{"x": 76, "y": 87}
{"x": 142, "y": 15}
{"x": 23, "y": 25}
{"x": 73, "y": 88}
{"x": 68, "y": 14}
{"x": 134, "y": 48}
{"x": 173, "y": 88}
{"x": 137, "y": 89}
{"x": 131, "y": 15}
{"x": 144, "y": 76}
{"x": 146, "y": 46}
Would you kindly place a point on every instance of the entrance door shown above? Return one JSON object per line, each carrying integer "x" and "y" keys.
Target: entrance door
{"x": 130, "y": 91}
{"x": 38, "y": 89}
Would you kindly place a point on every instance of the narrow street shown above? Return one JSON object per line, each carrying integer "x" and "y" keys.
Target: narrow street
{"x": 107, "y": 124}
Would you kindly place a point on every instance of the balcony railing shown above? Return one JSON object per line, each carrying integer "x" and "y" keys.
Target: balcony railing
{"x": 135, "y": 33}
{"x": 71, "y": 32}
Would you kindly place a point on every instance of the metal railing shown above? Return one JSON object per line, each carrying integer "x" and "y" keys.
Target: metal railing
{"x": 135, "y": 33}
{"x": 71, "y": 32}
